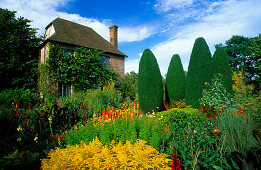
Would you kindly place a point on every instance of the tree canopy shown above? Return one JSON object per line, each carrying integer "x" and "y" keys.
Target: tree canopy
{"x": 245, "y": 56}
{"x": 19, "y": 53}
{"x": 129, "y": 86}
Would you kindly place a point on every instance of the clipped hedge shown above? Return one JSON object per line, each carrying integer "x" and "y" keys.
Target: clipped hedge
{"x": 177, "y": 111}
{"x": 150, "y": 85}
{"x": 221, "y": 62}
{"x": 200, "y": 70}
{"x": 175, "y": 79}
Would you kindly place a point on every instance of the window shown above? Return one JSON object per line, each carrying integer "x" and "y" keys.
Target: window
{"x": 105, "y": 60}
{"x": 67, "y": 52}
{"x": 64, "y": 90}
{"x": 50, "y": 31}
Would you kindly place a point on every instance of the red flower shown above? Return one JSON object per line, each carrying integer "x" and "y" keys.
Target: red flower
{"x": 216, "y": 131}
{"x": 175, "y": 160}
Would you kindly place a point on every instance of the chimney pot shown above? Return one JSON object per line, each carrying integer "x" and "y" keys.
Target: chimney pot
{"x": 114, "y": 35}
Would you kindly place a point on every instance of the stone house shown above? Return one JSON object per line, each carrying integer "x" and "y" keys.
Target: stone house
{"x": 70, "y": 35}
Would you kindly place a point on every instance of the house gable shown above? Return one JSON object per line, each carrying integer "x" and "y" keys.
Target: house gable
{"x": 70, "y": 35}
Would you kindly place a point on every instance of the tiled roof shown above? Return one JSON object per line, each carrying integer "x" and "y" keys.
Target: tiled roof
{"x": 80, "y": 35}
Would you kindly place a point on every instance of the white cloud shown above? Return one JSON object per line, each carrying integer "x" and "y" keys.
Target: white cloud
{"x": 230, "y": 18}
{"x": 167, "y": 5}
{"x": 132, "y": 65}
{"x": 127, "y": 34}
{"x": 42, "y": 12}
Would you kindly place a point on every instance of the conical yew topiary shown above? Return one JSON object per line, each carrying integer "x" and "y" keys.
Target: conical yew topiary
{"x": 175, "y": 79}
{"x": 221, "y": 63}
{"x": 200, "y": 70}
{"x": 150, "y": 86}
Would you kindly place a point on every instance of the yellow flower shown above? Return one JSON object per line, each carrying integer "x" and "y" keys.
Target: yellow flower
{"x": 19, "y": 128}
{"x": 36, "y": 138}
{"x": 50, "y": 118}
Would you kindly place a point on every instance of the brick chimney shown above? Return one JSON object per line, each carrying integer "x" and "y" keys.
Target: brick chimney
{"x": 114, "y": 35}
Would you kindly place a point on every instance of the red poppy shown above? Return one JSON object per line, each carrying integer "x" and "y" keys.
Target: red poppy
{"x": 216, "y": 131}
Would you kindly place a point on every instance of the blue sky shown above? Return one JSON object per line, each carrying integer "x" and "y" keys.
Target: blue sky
{"x": 167, "y": 27}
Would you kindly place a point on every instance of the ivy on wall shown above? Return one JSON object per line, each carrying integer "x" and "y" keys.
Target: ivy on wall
{"x": 84, "y": 70}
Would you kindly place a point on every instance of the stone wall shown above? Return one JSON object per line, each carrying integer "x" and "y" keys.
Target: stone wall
{"x": 117, "y": 63}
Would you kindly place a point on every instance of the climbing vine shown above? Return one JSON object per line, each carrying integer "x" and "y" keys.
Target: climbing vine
{"x": 83, "y": 69}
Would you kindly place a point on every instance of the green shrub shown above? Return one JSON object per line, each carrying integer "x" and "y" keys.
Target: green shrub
{"x": 150, "y": 86}
{"x": 192, "y": 135}
{"x": 94, "y": 101}
{"x": 175, "y": 79}
{"x": 235, "y": 115}
{"x": 122, "y": 129}
{"x": 129, "y": 86}
{"x": 199, "y": 71}
{"x": 221, "y": 66}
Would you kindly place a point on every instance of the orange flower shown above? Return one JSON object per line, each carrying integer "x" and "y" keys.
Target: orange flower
{"x": 216, "y": 131}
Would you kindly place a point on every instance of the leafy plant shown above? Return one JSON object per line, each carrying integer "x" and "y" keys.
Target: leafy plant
{"x": 196, "y": 139}
{"x": 84, "y": 69}
{"x": 129, "y": 86}
{"x": 97, "y": 156}
{"x": 234, "y": 116}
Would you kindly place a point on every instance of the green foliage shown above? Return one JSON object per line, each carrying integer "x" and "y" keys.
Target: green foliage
{"x": 221, "y": 63}
{"x": 244, "y": 54}
{"x": 19, "y": 53}
{"x": 255, "y": 56}
{"x": 235, "y": 116}
{"x": 175, "y": 79}
{"x": 94, "y": 101}
{"x": 150, "y": 86}
{"x": 84, "y": 69}
{"x": 199, "y": 71}
{"x": 129, "y": 86}
{"x": 16, "y": 160}
{"x": 23, "y": 96}
{"x": 120, "y": 130}
{"x": 216, "y": 95}
{"x": 192, "y": 135}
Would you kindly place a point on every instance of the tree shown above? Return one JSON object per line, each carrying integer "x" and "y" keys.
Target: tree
{"x": 175, "y": 79}
{"x": 150, "y": 86}
{"x": 221, "y": 66}
{"x": 255, "y": 56}
{"x": 199, "y": 72}
{"x": 237, "y": 49}
{"x": 129, "y": 86}
{"x": 19, "y": 53}
{"x": 241, "y": 51}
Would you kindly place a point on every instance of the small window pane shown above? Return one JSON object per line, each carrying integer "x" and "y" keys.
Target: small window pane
{"x": 105, "y": 60}
{"x": 67, "y": 52}
{"x": 64, "y": 90}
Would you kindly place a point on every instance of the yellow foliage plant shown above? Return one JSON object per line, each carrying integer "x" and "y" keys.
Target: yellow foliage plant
{"x": 239, "y": 85}
{"x": 245, "y": 92}
{"x": 95, "y": 155}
